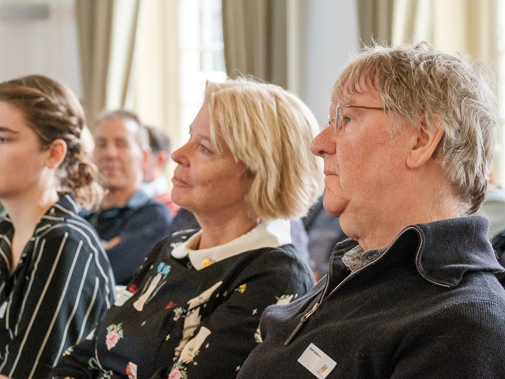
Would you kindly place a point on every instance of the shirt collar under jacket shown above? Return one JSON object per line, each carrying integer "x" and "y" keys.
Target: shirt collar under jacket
{"x": 137, "y": 200}
{"x": 267, "y": 234}
{"x": 442, "y": 254}
{"x": 156, "y": 187}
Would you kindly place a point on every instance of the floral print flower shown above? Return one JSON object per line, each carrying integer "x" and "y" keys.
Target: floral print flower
{"x": 178, "y": 313}
{"x": 114, "y": 334}
{"x": 164, "y": 269}
{"x": 133, "y": 288}
{"x": 170, "y": 305}
{"x": 175, "y": 374}
{"x": 131, "y": 370}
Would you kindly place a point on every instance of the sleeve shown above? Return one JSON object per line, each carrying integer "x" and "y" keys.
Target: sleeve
{"x": 146, "y": 227}
{"x": 78, "y": 362}
{"x": 462, "y": 341}
{"x": 81, "y": 361}
{"x": 224, "y": 339}
{"x": 56, "y": 306}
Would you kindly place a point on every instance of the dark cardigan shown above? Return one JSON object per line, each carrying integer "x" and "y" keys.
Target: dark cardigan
{"x": 429, "y": 307}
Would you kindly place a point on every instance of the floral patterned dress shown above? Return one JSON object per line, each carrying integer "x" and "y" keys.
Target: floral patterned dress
{"x": 176, "y": 320}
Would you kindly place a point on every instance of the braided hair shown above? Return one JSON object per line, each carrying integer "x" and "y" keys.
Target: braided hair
{"x": 53, "y": 112}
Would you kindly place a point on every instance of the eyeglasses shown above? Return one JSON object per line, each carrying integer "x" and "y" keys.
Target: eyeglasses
{"x": 339, "y": 121}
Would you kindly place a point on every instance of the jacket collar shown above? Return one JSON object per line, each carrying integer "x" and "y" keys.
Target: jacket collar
{"x": 450, "y": 248}
{"x": 444, "y": 250}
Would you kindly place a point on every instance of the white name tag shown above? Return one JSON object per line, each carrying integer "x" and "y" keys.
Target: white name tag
{"x": 317, "y": 362}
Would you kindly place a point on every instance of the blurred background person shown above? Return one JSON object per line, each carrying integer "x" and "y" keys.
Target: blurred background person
{"x": 128, "y": 221}
{"x": 55, "y": 278}
{"x": 324, "y": 232}
{"x": 193, "y": 309}
{"x": 155, "y": 182}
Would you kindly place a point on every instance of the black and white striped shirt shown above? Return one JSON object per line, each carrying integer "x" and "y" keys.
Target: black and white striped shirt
{"x": 61, "y": 287}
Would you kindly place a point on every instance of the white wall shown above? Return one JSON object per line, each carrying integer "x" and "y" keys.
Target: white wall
{"x": 330, "y": 32}
{"x": 42, "y": 46}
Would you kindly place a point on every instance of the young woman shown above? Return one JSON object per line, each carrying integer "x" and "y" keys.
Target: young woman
{"x": 193, "y": 309}
{"x": 55, "y": 279}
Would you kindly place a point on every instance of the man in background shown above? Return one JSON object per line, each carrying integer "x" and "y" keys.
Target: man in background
{"x": 128, "y": 222}
{"x": 155, "y": 182}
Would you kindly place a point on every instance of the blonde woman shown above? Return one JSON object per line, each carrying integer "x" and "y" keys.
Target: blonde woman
{"x": 193, "y": 309}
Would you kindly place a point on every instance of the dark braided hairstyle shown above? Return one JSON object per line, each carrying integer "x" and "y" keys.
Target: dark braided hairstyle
{"x": 53, "y": 112}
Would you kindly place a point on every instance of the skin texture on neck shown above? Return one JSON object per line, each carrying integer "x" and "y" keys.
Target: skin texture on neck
{"x": 25, "y": 213}
{"x": 417, "y": 202}
{"x": 218, "y": 229}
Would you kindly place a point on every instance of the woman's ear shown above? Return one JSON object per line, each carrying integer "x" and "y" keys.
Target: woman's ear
{"x": 56, "y": 153}
{"x": 426, "y": 141}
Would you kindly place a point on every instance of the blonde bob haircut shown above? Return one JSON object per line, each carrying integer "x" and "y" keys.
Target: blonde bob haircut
{"x": 269, "y": 130}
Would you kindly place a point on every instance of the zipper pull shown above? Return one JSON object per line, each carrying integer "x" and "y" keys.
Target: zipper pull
{"x": 300, "y": 324}
{"x": 293, "y": 334}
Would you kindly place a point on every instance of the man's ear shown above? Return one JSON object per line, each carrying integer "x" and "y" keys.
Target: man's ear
{"x": 162, "y": 158}
{"x": 146, "y": 154}
{"x": 56, "y": 153}
{"x": 425, "y": 141}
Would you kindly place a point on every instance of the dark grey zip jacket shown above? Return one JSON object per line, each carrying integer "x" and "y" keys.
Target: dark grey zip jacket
{"x": 429, "y": 307}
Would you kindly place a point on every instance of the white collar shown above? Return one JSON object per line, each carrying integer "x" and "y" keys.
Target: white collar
{"x": 156, "y": 187}
{"x": 267, "y": 234}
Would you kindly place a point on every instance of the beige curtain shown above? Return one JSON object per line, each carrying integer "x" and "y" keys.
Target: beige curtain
{"x": 94, "y": 20}
{"x": 126, "y": 34}
{"x": 375, "y": 19}
{"x": 412, "y": 21}
{"x": 255, "y": 38}
{"x": 108, "y": 31}
{"x": 157, "y": 73}
{"x": 466, "y": 25}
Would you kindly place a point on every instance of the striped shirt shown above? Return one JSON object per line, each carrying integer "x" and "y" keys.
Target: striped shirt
{"x": 52, "y": 299}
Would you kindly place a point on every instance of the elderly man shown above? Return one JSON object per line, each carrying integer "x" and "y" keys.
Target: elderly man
{"x": 129, "y": 222}
{"x": 155, "y": 181}
{"x": 413, "y": 293}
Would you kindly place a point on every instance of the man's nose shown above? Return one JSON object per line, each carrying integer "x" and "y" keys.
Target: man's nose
{"x": 321, "y": 144}
{"x": 107, "y": 151}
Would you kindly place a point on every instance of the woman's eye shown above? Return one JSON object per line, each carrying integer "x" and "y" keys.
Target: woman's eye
{"x": 3, "y": 140}
{"x": 204, "y": 149}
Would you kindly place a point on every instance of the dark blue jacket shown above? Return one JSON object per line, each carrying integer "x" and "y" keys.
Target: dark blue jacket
{"x": 429, "y": 307}
{"x": 141, "y": 224}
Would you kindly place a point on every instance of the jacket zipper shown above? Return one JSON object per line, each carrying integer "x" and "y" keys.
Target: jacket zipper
{"x": 305, "y": 317}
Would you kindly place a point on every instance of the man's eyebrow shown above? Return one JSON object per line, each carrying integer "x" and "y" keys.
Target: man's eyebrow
{"x": 347, "y": 101}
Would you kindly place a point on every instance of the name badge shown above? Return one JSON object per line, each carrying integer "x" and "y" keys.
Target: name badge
{"x": 317, "y": 362}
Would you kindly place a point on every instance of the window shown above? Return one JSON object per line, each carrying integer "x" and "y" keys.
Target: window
{"x": 201, "y": 54}
{"x": 180, "y": 48}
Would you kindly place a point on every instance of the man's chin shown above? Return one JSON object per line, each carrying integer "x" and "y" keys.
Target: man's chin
{"x": 334, "y": 208}
{"x": 113, "y": 186}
